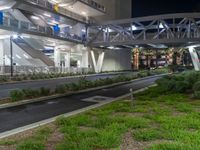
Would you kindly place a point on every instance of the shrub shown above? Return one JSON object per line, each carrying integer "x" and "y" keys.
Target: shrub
{"x": 44, "y": 91}
{"x": 29, "y": 93}
{"x": 181, "y": 86}
{"x": 16, "y": 95}
{"x": 196, "y": 94}
{"x": 60, "y": 89}
{"x": 196, "y": 86}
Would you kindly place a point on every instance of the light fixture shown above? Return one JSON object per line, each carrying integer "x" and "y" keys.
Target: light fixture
{"x": 4, "y": 7}
{"x": 47, "y": 15}
{"x": 134, "y": 27}
{"x": 15, "y": 36}
{"x": 111, "y": 47}
{"x": 83, "y": 30}
{"x": 84, "y": 13}
{"x": 35, "y": 17}
{"x": 161, "y": 26}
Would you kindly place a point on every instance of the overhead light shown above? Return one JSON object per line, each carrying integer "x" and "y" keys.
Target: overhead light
{"x": 83, "y": 30}
{"x": 161, "y": 26}
{"x": 84, "y": 13}
{"x": 48, "y": 47}
{"x": 111, "y": 47}
{"x": 134, "y": 27}
{"x": 4, "y": 7}
{"x": 47, "y": 15}
{"x": 63, "y": 5}
{"x": 35, "y": 17}
{"x": 15, "y": 36}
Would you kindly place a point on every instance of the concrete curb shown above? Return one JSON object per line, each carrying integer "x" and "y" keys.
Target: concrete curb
{"x": 67, "y": 77}
{"x": 8, "y": 105}
{"x": 76, "y": 112}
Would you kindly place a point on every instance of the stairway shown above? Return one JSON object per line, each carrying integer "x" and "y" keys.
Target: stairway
{"x": 36, "y": 54}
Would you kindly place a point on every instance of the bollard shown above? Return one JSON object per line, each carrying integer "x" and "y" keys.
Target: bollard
{"x": 132, "y": 98}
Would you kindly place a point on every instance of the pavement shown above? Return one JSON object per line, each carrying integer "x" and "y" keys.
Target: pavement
{"x": 5, "y": 89}
{"x": 20, "y": 116}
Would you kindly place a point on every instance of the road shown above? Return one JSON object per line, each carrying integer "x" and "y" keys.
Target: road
{"x": 19, "y": 116}
{"x": 6, "y": 88}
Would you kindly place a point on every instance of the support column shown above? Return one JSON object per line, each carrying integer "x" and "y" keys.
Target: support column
{"x": 84, "y": 63}
{"x": 57, "y": 57}
{"x": 2, "y": 59}
{"x": 195, "y": 58}
{"x": 99, "y": 63}
{"x": 67, "y": 60}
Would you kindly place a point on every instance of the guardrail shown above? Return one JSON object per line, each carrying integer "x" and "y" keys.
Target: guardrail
{"x": 46, "y": 31}
{"x": 63, "y": 11}
{"x": 5, "y": 70}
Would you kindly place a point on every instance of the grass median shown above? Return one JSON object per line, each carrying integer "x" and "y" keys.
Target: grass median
{"x": 156, "y": 120}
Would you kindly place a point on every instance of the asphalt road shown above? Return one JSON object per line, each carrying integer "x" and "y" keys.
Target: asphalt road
{"x": 19, "y": 116}
{"x": 6, "y": 88}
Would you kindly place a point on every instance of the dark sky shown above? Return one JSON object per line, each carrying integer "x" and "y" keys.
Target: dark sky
{"x": 155, "y": 7}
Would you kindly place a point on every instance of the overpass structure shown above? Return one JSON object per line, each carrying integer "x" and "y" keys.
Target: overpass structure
{"x": 159, "y": 32}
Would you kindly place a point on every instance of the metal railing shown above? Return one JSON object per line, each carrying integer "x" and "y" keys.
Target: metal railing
{"x": 46, "y": 31}
{"x": 17, "y": 70}
{"x": 61, "y": 10}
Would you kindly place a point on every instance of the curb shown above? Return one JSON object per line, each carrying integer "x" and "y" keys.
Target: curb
{"x": 76, "y": 112}
{"x": 28, "y": 101}
{"x": 67, "y": 77}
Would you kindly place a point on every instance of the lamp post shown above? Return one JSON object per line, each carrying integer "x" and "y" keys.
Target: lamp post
{"x": 11, "y": 56}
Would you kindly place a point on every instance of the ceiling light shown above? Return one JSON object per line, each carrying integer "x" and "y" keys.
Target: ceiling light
{"x": 35, "y": 17}
{"x": 161, "y": 26}
{"x": 84, "y": 13}
{"x": 15, "y": 36}
{"x": 47, "y": 15}
{"x": 4, "y": 7}
{"x": 134, "y": 27}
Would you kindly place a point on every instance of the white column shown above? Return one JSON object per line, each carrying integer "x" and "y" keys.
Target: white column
{"x": 57, "y": 57}
{"x": 1, "y": 53}
{"x": 84, "y": 63}
{"x": 195, "y": 58}
{"x": 67, "y": 60}
{"x": 99, "y": 63}
{"x": 2, "y": 59}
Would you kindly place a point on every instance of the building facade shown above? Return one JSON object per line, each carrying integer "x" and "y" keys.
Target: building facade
{"x": 52, "y": 36}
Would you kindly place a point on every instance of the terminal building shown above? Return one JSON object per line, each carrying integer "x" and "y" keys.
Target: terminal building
{"x": 52, "y": 35}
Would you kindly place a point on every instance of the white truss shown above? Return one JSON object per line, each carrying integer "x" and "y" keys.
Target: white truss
{"x": 170, "y": 30}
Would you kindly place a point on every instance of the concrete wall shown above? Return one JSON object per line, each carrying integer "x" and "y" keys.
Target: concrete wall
{"x": 114, "y": 60}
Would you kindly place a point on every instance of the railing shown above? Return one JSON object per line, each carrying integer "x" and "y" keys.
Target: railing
{"x": 170, "y": 29}
{"x": 47, "y": 31}
{"x": 63, "y": 11}
{"x": 17, "y": 70}
{"x": 94, "y": 5}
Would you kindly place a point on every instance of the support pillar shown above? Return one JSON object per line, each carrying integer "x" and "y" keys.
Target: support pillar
{"x": 2, "y": 59}
{"x": 195, "y": 58}
{"x": 99, "y": 63}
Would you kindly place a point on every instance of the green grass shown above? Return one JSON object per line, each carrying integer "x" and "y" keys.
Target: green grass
{"x": 167, "y": 121}
{"x": 147, "y": 135}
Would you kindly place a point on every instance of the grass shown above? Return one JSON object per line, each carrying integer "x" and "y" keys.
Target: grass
{"x": 165, "y": 121}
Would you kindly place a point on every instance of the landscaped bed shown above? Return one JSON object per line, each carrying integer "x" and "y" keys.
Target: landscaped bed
{"x": 158, "y": 119}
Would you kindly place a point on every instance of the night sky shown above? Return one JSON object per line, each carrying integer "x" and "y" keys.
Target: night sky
{"x": 155, "y": 7}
